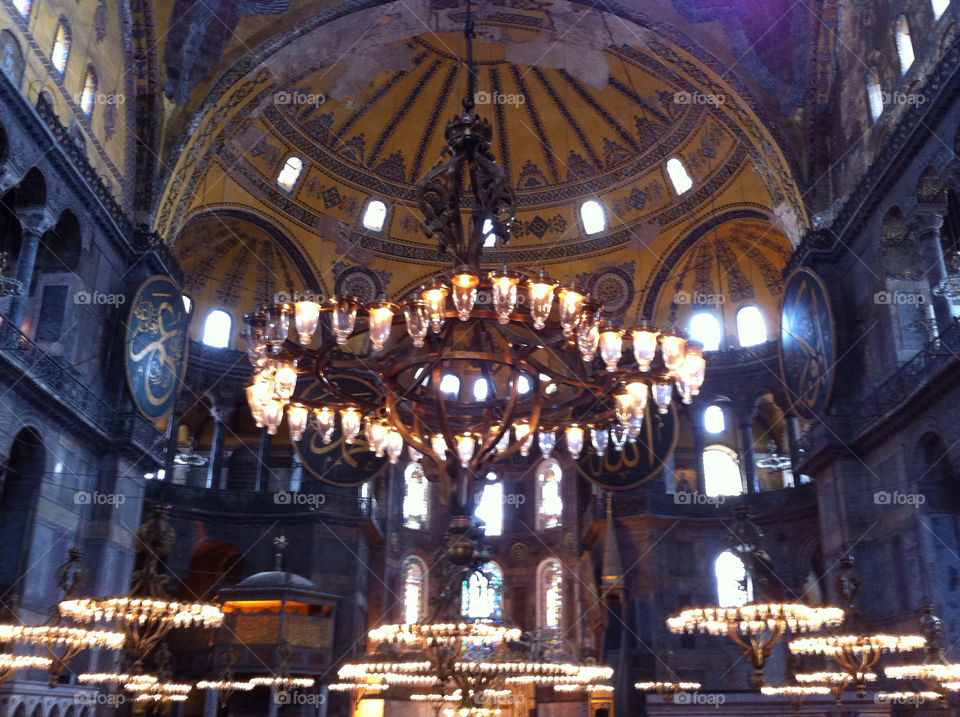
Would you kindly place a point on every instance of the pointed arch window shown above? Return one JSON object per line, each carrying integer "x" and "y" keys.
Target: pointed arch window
{"x": 874, "y": 94}
{"x": 734, "y": 587}
{"x": 415, "y": 504}
{"x": 23, "y": 6}
{"x": 549, "y": 496}
{"x": 217, "y": 328}
{"x": 414, "y": 590}
{"x": 61, "y": 47}
{"x": 89, "y": 94}
{"x": 904, "y": 44}
{"x": 939, "y": 7}
{"x": 292, "y": 168}
{"x": 483, "y": 593}
{"x": 551, "y": 594}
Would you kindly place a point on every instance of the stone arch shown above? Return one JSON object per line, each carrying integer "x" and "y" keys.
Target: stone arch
{"x": 899, "y": 255}
{"x": 54, "y": 711}
{"x": 11, "y": 57}
{"x": 61, "y": 246}
{"x": 32, "y": 190}
{"x": 22, "y": 476}
{"x": 20, "y": 711}
{"x": 214, "y": 565}
{"x": 37, "y": 710}
{"x": 930, "y": 187}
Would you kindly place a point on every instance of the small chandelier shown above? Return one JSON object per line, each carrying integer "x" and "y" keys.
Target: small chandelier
{"x": 949, "y": 287}
{"x": 773, "y": 461}
{"x": 8, "y": 287}
{"x": 795, "y": 695}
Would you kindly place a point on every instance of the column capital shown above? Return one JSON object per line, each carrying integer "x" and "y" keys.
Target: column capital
{"x": 36, "y": 220}
{"x": 924, "y": 218}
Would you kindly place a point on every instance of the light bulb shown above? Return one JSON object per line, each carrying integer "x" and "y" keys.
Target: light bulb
{"x": 434, "y": 295}
{"x": 306, "y": 317}
{"x": 277, "y": 323}
{"x": 343, "y": 318}
{"x": 574, "y": 437}
{"x": 504, "y": 293}
{"x": 326, "y": 422}
{"x": 548, "y": 441}
{"x": 418, "y": 320}
{"x": 381, "y": 321}
{"x": 350, "y": 424}
{"x": 464, "y": 283}
{"x": 297, "y": 415}
{"x": 570, "y": 305}
{"x": 644, "y": 345}
{"x": 466, "y": 445}
{"x": 540, "y": 292}
{"x": 673, "y": 348}
{"x": 599, "y": 438}
{"x": 611, "y": 346}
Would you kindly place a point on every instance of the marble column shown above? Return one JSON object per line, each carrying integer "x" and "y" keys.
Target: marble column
{"x": 215, "y": 464}
{"x": 263, "y": 458}
{"x": 793, "y": 438}
{"x": 211, "y": 702}
{"x": 34, "y": 222}
{"x": 699, "y": 443}
{"x": 925, "y": 222}
{"x": 747, "y": 456}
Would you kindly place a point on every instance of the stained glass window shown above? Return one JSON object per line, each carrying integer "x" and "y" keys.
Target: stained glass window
{"x": 549, "y": 498}
{"x": 414, "y": 577}
{"x": 414, "y": 497}
{"x": 551, "y": 591}
{"x": 483, "y": 593}
{"x": 734, "y": 587}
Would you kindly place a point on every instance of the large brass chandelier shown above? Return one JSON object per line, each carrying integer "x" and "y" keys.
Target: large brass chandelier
{"x": 550, "y": 366}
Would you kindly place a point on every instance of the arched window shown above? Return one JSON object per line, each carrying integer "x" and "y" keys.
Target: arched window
{"x": 217, "y": 328}
{"x": 593, "y": 217}
{"x": 713, "y": 419}
{"x": 450, "y": 385}
{"x": 904, "y": 44}
{"x": 23, "y": 6}
{"x": 550, "y": 583}
{"x": 490, "y": 507}
{"x": 415, "y": 504}
{"x": 292, "y": 168}
{"x": 375, "y": 215}
{"x": 483, "y": 593}
{"x": 523, "y": 384}
{"x": 61, "y": 47}
{"x": 89, "y": 94}
{"x": 734, "y": 587}
{"x": 874, "y": 94}
{"x": 678, "y": 174}
{"x": 721, "y": 471}
{"x": 481, "y": 389}
{"x": 549, "y": 497}
{"x": 414, "y": 590}
{"x": 751, "y": 328}
{"x": 489, "y": 237}
{"x": 939, "y": 7}
{"x": 705, "y": 328}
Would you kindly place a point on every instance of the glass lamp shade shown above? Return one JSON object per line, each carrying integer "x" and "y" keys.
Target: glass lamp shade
{"x": 504, "y": 293}
{"x": 611, "y": 346}
{"x": 326, "y": 419}
{"x": 465, "y": 283}
{"x": 306, "y": 317}
{"x": 663, "y": 395}
{"x": 375, "y": 430}
{"x": 434, "y": 296}
{"x": 590, "y": 313}
{"x": 350, "y": 424}
{"x": 540, "y": 293}
{"x": 277, "y": 325}
{"x": 588, "y": 339}
{"x": 570, "y": 305}
{"x": 380, "y": 321}
{"x": 255, "y": 339}
{"x": 694, "y": 367}
{"x": 638, "y": 389}
{"x": 466, "y": 445}
{"x": 285, "y": 381}
{"x": 418, "y": 320}
{"x": 272, "y": 416}
{"x": 599, "y": 437}
{"x": 523, "y": 434}
{"x": 297, "y": 415}
{"x": 343, "y": 317}
{"x": 574, "y": 437}
{"x": 644, "y": 345}
{"x": 548, "y": 441}
{"x": 673, "y": 348}
{"x": 439, "y": 445}
{"x": 394, "y": 445}
{"x": 256, "y": 407}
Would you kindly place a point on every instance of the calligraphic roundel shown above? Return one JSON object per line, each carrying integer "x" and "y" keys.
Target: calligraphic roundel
{"x": 808, "y": 344}
{"x": 155, "y": 346}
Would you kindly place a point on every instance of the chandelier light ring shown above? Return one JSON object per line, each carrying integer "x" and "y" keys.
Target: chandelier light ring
{"x": 933, "y": 672}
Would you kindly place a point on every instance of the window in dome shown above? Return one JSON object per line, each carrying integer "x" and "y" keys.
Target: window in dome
{"x": 23, "y": 6}
{"x": 751, "y": 328}
{"x": 287, "y": 179}
{"x": 939, "y": 7}
{"x": 375, "y": 215}
{"x": 415, "y": 505}
{"x": 713, "y": 419}
{"x": 523, "y": 384}
{"x": 904, "y": 44}
{"x": 874, "y": 94}
{"x": 678, "y": 175}
{"x": 593, "y": 217}
{"x": 490, "y": 508}
{"x": 734, "y": 586}
{"x": 481, "y": 389}
{"x": 549, "y": 496}
{"x": 551, "y": 594}
{"x": 414, "y": 590}
{"x": 483, "y": 593}
{"x": 187, "y": 303}
{"x": 217, "y": 328}
{"x": 705, "y": 328}
{"x": 450, "y": 385}
{"x": 61, "y": 47}
{"x": 721, "y": 472}
{"x": 89, "y": 94}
